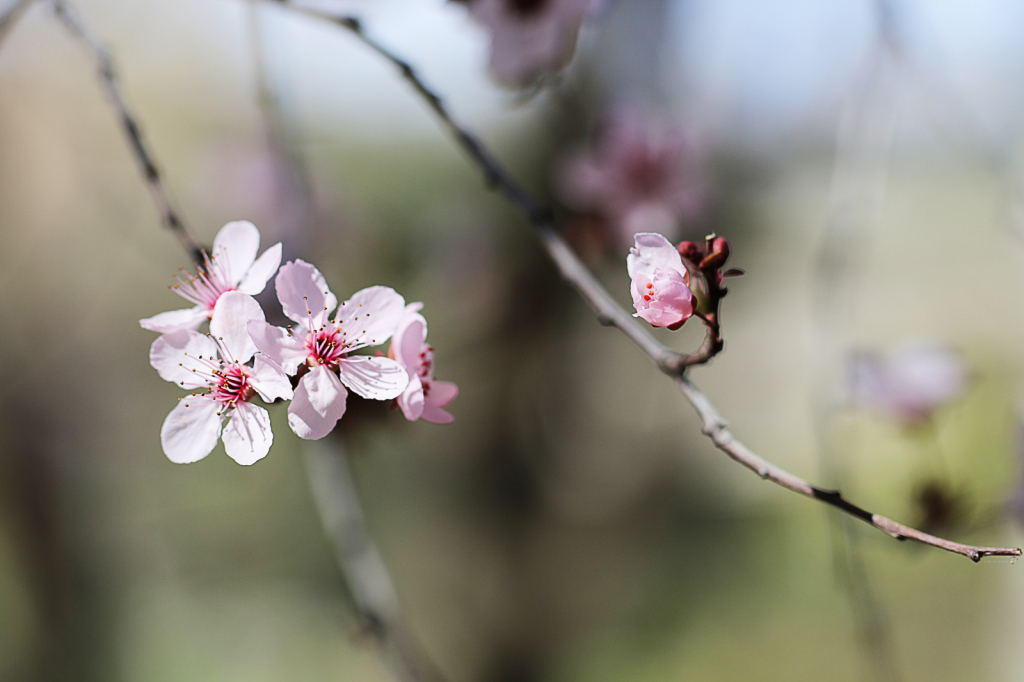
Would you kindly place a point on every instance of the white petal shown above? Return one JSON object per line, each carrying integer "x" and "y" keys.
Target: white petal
{"x": 185, "y": 358}
{"x": 371, "y": 316}
{"x": 650, "y": 251}
{"x": 269, "y": 380}
{"x": 411, "y": 401}
{"x": 235, "y": 246}
{"x": 247, "y": 436}
{"x": 230, "y": 324}
{"x": 313, "y": 422}
{"x": 303, "y": 294}
{"x": 376, "y": 378}
{"x": 286, "y": 349}
{"x": 191, "y": 429}
{"x": 255, "y": 280}
{"x": 175, "y": 320}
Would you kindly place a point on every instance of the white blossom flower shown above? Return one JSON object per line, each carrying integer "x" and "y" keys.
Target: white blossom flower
{"x": 216, "y": 362}
{"x": 322, "y": 346}
{"x": 232, "y": 266}
{"x": 425, "y": 396}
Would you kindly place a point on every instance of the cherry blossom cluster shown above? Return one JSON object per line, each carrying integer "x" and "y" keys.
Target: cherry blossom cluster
{"x": 312, "y": 362}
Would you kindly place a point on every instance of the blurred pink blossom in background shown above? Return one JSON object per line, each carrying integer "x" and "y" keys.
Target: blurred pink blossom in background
{"x": 637, "y": 176}
{"x": 530, "y": 38}
{"x": 909, "y": 383}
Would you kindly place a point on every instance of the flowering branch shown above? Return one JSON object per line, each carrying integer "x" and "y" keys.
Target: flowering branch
{"x": 129, "y": 124}
{"x": 330, "y": 476}
{"x": 609, "y": 313}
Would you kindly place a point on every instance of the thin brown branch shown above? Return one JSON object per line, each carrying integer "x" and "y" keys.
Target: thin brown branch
{"x": 716, "y": 428}
{"x": 9, "y": 17}
{"x": 610, "y": 313}
{"x": 129, "y": 124}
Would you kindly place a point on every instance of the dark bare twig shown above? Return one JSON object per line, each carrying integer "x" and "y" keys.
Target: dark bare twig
{"x": 130, "y": 126}
{"x": 610, "y": 313}
{"x": 9, "y": 17}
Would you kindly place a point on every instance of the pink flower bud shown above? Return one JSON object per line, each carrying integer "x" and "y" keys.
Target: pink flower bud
{"x": 691, "y": 252}
{"x": 660, "y": 290}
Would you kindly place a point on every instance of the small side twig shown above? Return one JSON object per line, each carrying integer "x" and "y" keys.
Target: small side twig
{"x": 610, "y": 313}
{"x": 9, "y": 17}
{"x": 716, "y": 428}
{"x": 129, "y": 124}
{"x": 367, "y": 578}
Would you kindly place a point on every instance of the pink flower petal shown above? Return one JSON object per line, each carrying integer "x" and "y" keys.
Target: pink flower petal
{"x": 230, "y": 324}
{"x": 371, "y": 316}
{"x": 269, "y": 380}
{"x": 235, "y": 246}
{"x": 409, "y": 339}
{"x": 255, "y": 280}
{"x": 286, "y": 349}
{"x": 303, "y": 293}
{"x": 191, "y": 430}
{"x": 248, "y": 436}
{"x": 178, "y": 357}
{"x": 442, "y": 393}
{"x": 411, "y": 401}
{"x": 318, "y": 404}
{"x": 435, "y": 415}
{"x": 175, "y": 320}
{"x": 374, "y": 378}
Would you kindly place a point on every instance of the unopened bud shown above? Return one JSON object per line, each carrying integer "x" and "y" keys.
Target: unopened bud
{"x": 691, "y": 252}
{"x": 720, "y": 245}
{"x": 719, "y": 254}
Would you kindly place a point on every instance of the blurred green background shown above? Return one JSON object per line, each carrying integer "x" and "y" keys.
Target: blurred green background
{"x": 572, "y": 524}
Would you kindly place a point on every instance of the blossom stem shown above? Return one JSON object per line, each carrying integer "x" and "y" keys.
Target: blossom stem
{"x": 130, "y": 126}
{"x": 334, "y": 492}
{"x": 610, "y": 313}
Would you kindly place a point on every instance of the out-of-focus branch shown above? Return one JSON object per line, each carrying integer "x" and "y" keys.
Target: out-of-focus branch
{"x": 610, "y": 313}
{"x": 330, "y": 477}
{"x": 365, "y": 574}
{"x": 129, "y": 124}
{"x": 10, "y": 15}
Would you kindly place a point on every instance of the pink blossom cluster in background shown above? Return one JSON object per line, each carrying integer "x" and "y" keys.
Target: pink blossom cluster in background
{"x": 637, "y": 176}
{"x": 311, "y": 363}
